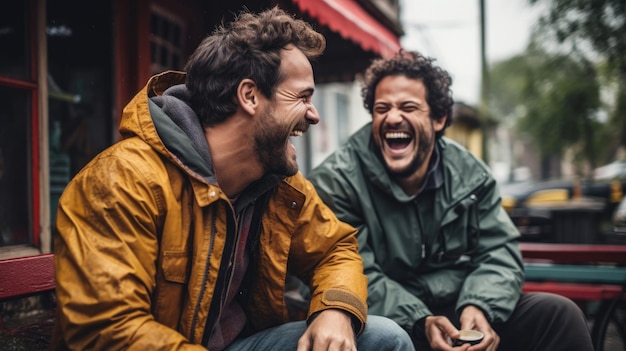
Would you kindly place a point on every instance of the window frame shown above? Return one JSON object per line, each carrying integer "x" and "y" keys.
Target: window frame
{"x": 39, "y": 232}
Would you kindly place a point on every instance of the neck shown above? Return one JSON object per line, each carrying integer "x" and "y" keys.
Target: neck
{"x": 414, "y": 182}
{"x": 411, "y": 184}
{"x": 232, "y": 151}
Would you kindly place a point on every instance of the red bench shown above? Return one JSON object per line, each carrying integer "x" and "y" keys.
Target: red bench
{"x": 26, "y": 276}
{"x": 582, "y": 273}
{"x": 575, "y": 253}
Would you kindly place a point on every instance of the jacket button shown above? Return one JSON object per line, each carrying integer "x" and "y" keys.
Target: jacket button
{"x": 294, "y": 204}
{"x": 212, "y": 194}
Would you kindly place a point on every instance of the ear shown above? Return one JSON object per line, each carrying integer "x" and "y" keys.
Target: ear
{"x": 439, "y": 124}
{"x": 248, "y": 96}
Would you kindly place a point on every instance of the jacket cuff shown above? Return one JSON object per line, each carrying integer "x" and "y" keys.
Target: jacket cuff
{"x": 342, "y": 300}
{"x": 419, "y": 329}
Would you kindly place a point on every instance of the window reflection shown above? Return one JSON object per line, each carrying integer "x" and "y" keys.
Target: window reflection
{"x": 80, "y": 85}
{"x": 165, "y": 41}
{"x": 14, "y": 34}
{"x": 14, "y": 166}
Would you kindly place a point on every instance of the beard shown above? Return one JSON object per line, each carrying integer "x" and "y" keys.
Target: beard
{"x": 425, "y": 146}
{"x": 270, "y": 143}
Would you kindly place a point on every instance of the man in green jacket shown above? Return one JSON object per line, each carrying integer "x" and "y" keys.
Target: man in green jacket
{"x": 181, "y": 236}
{"x": 439, "y": 251}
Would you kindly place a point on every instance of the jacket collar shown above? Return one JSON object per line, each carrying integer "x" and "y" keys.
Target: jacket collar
{"x": 434, "y": 175}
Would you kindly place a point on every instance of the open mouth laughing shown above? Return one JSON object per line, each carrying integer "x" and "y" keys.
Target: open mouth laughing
{"x": 397, "y": 140}
{"x": 299, "y": 129}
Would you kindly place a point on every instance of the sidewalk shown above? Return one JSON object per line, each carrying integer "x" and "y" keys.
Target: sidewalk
{"x": 613, "y": 342}
{"x": 33, "y": 335}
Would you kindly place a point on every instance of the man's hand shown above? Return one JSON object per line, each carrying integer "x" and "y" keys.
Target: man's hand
{"x": 474, "y": 318}
{"x": 330, "y": 330}
{"x": 439, "y": 330}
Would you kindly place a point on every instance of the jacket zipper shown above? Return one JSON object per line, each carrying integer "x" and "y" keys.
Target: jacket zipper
{"x": 194, "y": 321}
{"x": 219, "y": 284}
{"x": 454, "y": 205}
{"x": 222, "y": 277}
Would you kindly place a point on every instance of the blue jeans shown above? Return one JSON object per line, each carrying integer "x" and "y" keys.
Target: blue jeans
{"x": 380, "y": 334}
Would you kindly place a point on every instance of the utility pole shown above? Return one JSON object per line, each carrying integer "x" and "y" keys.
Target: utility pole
{"x": 483, "y": 109}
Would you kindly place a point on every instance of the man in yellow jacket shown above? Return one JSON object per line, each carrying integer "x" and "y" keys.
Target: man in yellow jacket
{"x": 182, "y": 235}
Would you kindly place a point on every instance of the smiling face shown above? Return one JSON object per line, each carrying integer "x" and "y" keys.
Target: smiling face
{"x": 288, "y": 114}
{"x": 402, "y": 127}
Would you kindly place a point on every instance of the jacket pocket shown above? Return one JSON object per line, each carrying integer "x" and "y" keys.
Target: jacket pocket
{"x": 176, "y": 266}
{"x": 461, "y": 233}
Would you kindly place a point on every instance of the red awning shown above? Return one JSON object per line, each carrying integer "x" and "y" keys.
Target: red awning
{"x": 352, "y": 22}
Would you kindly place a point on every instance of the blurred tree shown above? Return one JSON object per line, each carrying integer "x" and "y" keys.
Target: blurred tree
{"x": 553, "y": 100}
{"x": 595, "y": 29}
{"x": 562, "y": 97}
{"x": 507, "y": 80}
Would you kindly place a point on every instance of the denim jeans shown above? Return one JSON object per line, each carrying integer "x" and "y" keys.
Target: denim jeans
{"x": 380, "y": 334}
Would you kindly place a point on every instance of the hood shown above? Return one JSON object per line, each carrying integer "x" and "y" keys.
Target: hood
{"x": 160, "y": 114}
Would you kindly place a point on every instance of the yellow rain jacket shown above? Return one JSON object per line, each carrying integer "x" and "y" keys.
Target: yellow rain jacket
{"x": 143, "y": 231}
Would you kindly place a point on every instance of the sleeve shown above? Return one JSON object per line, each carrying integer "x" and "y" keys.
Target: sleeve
{"x": 497, "y": 273}
{"x": 325, "y": 255}
{"x": 106, "y": 248}
{"x": 386, "y": 297}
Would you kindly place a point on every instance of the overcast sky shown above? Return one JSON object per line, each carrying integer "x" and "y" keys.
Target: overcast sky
{"x": 449, "y": 31}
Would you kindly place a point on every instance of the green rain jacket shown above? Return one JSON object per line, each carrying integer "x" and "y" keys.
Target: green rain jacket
{"x": 453, "y": 245}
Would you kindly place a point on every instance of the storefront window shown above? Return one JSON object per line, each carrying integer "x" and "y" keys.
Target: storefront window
{"x": 14, "y": 166}
{"x": 166, "y": 41}
{"x": 79, "y": 88}
{"x": 17, "y": 90}
{"x": 14, "y": 39}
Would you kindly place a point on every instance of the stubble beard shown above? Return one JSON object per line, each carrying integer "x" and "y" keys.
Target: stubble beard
{"x": 270, "y": 144}
{"x": 425, "y": 146}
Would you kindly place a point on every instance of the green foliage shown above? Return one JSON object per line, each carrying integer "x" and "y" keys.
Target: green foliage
{"x": 559, "y": 97}
{"x": 552, "y": 91}
{"x": 596, "y": 30}
{"x": 599, "y": 23}
{"x": 507, "y": 81}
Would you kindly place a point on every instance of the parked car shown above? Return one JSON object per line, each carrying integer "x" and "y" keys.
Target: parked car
{"x": 563, "y": 210}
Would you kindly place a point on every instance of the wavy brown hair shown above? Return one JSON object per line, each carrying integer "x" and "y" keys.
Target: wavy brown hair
{"x": 248, "y": 47}
{"x": 415, "y": 66}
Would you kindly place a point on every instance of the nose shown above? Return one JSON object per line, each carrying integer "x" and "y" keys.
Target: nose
{"x": 312, "y": 116}
{"x": 394, "y": 116}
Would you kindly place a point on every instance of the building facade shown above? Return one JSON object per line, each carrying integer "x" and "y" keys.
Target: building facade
{"x": 69, "y": 67}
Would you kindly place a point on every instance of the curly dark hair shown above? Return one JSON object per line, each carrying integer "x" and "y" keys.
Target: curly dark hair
{"x": 416, "y": 66}
{"x": 248, "y": 47}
